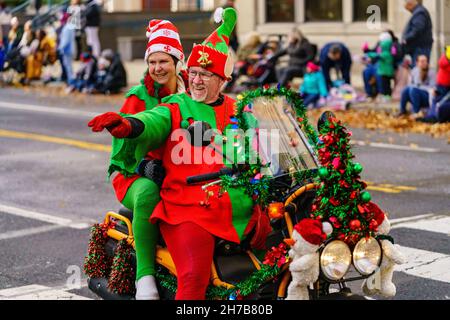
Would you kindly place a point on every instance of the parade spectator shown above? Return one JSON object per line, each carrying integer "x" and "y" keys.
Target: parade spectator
{"x": 300, "y": 52}
{"x": 112, "y": 76}
{"x": 385, "y": 67}
{"x": 5, "y": 19}
{"x": 314, "y": 87}
{"x": 43, "y": 52}
{"x": 422, "y": 82}
{"x": 14, "y": 35}
{"x": 247, "y": 55}
{"x": 85, "y": 77}
{"x": 2, "y": 55}
{"x": 336, "y": 55}
{"x": 442, "y": 91}
{"x": 77, "y": 12}
{"x": 372, "y": 81}
{"x": 417, "y": 38}
{"x": 66, "y": 47}
{"x": 93, "y": 20}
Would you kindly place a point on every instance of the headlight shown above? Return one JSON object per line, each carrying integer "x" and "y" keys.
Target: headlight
{"x": 335, "y": 260}
{"x": 367, "y": 256}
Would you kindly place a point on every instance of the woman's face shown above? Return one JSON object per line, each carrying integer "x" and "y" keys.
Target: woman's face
{"x": 422, "y": 62}
{"x": 161, "y": 67}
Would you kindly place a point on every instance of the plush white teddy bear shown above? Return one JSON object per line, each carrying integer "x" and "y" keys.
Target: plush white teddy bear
{"x": 391, "y": 256}
{"x": 308, "y": 235}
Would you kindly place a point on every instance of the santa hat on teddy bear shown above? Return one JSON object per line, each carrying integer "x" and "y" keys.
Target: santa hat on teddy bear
{"x": 213, "y": 54}
{"x": 313, "y": 231}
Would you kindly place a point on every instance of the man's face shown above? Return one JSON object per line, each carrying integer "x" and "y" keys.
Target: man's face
{"x": 204, "y": 85}
{"x": 422, "y": 62}
{"x": 161, "y": 67}
{"x": 334, "y": 56}
{"x": 410, "y": 5}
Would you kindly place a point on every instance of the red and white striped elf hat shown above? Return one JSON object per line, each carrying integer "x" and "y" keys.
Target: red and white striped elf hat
{"x": 163, "y": 37}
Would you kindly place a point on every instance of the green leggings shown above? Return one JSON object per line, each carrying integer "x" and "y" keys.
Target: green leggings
{"x": 142, "y": 197}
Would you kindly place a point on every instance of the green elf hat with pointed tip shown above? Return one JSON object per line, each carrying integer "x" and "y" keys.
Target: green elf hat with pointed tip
{"x": 214, "y": 54}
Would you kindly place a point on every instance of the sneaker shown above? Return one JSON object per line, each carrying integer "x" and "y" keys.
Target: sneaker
{"x": 146, "y": 289}
{"x": 427, "y": 120}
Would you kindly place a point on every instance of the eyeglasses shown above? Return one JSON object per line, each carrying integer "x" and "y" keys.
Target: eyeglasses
{"x": 204, "y": 76}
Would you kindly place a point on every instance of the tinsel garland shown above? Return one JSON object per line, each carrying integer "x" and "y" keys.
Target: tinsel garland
{"x": 341, "y": 199}
{"x": 97, "y": 264}
{"x": 258, "y": 189}
{"x": 123, "y": 273}
{"x": 273, "y": 262}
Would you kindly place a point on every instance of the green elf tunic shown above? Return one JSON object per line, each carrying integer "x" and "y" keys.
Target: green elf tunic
{"x": 227, "y": 214}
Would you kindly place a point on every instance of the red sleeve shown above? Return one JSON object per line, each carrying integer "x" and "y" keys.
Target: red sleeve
{"x": 133, "y": 105}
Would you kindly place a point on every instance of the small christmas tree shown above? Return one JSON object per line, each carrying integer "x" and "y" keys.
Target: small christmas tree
{"x": 341, "y": 199}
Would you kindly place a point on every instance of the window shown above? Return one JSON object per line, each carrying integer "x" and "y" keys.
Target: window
{"x": 330, "y": 10}
{"x": 360, "y": 9}
{"x": 280, "y": 11}
{"x": 192, "y": 5}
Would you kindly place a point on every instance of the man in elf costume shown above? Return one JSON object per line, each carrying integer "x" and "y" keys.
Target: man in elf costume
{"x": 165, "y": 58}
{"x": 189, "y": 220}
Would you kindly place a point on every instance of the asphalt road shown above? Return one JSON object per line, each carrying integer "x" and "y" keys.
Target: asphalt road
{"x": 52, "y": 190}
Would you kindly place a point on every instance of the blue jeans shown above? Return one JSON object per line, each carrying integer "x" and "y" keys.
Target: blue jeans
{"x": 369, "y": 73}
{"x": 310, "y": 98}
{"x": 441, "y": 93}
{"x": 417, "y": 97}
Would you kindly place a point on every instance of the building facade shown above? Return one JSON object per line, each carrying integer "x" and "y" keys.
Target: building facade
{"x": 350, "y": 21}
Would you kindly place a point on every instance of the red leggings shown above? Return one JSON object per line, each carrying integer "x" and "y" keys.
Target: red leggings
{"x": 192, "y": 249}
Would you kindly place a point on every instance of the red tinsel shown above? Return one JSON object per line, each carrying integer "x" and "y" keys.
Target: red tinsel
{"x": 123, "y": 273}
{"x": 97, "y": 264}
{"x": 277, "y": 255}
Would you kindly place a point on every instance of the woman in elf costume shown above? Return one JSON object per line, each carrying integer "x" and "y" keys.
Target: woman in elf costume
{"x": 189, "y": 219}
{"x": 165, "y": 58}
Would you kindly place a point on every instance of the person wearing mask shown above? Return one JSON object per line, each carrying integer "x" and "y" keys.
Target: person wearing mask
{"x": 417, "y": 38}
{"x": 115, "y": 75}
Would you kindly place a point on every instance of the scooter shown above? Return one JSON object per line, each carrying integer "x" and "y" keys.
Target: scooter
{"x": 238, "y": 271}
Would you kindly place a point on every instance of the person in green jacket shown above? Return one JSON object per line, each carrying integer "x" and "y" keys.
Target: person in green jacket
{"x": 386, "y": 67}
{"x": 137, "y": 183}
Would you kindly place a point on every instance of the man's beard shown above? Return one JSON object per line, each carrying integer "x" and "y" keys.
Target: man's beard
{"x": 199, "y": 98}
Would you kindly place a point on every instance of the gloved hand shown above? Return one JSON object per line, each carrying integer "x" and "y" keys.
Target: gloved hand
{"x": 153, "y": 170}
{"x": 117, "y": 125}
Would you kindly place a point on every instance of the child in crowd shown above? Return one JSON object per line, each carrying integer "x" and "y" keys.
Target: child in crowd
{"x": 385, "y": 65}
{"x": 85, "y": 77}
{"x": 314, "y": 88}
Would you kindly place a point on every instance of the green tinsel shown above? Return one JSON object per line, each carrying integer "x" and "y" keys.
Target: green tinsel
{"x": 243, "y": 288}
{"x": 259, "y": 189}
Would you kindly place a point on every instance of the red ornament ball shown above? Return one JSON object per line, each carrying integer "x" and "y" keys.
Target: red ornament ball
{"x": 355, "y": 224}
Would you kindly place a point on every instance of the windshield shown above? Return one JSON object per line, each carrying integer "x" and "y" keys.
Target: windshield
{"x": 280, "y": 141}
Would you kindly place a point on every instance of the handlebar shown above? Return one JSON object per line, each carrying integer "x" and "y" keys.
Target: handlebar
{"x": 209, "y": 176}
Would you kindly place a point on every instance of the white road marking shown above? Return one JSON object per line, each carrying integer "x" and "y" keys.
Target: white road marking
{"x": 38, "y": 292}
{"x": 393, "y": 146}
{"x": 44, "y": 109}
{"x": 45, "y": 217}
{"x": 394, "y": 222}
{"x": 433, "y": 223}
{"x": 28, "y": 232}
{"x": 425, "y": 264}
